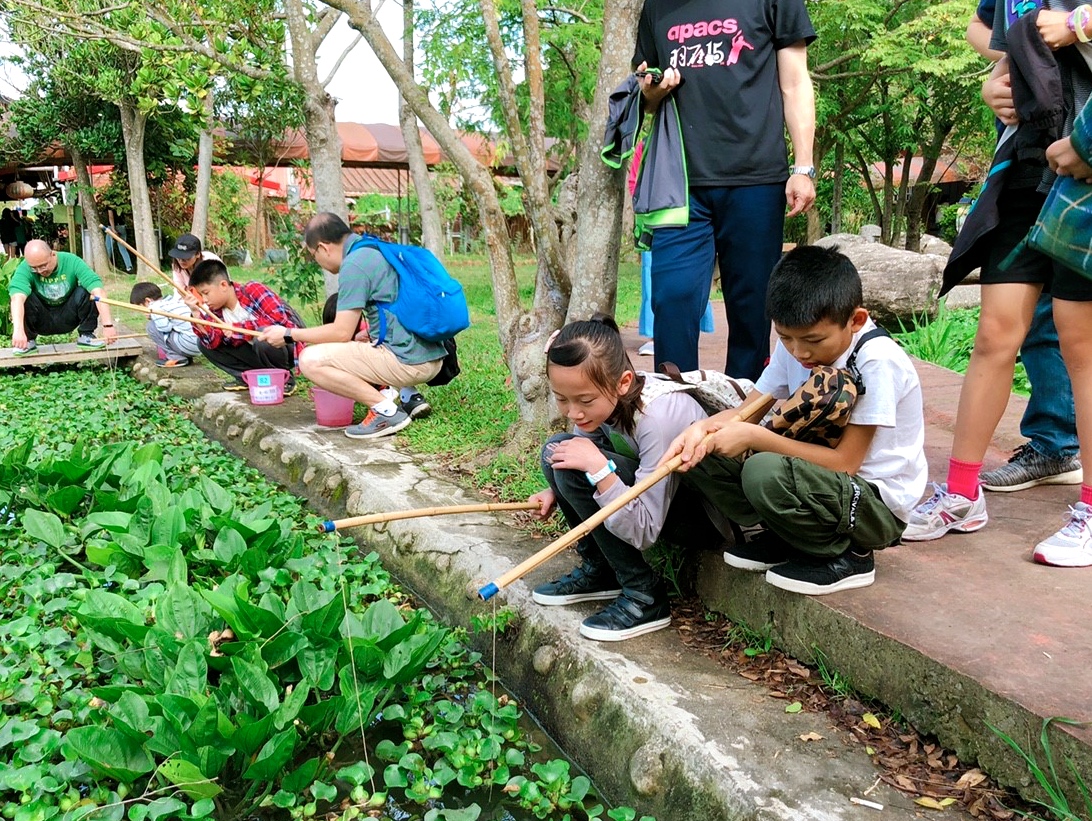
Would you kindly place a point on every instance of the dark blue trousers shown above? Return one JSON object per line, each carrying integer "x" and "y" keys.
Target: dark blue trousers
{"x": 742, "y": 229}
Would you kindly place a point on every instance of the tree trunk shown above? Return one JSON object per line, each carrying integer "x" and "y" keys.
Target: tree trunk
{"x": 319, "y": 125}
{"x": 133, "y": 125}
{"x": 99, "y": 261}
{"x": 432, "y": 231}
{"x": 600, "y": 189}
{"x": 915, "y": 216}
{"x": 522, "y": 333}
{"x": 203, "y": 193}
{"x": 838, "y": 194}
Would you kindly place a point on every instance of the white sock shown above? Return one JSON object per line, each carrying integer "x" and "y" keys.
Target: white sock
{"x": 406, "y": 394}
{"x": 386, "y": 408}
{"x": 389, "y": 393}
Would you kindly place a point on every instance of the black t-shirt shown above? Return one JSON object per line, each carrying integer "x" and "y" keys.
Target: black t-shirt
{"x": 729, "y": 102}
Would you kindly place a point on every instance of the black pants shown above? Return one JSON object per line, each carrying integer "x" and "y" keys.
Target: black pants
{"x": 686, "y": 522}
{"x": 78, "y": 311}
{"x": 234, "y": 359}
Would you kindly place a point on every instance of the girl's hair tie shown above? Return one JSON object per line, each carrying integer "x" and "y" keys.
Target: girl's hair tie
{"x": 550, "y": 341}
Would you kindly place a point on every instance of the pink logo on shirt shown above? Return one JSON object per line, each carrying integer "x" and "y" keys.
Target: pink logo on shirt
{"x": 709, "y": 52}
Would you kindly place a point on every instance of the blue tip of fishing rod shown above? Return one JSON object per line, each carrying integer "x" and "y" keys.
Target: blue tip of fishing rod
{"x": 489, "y": 591}
{"x": 328, "y": 527}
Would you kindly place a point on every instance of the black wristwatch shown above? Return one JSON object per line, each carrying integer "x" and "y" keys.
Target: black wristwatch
{"x": 288, "y": 336}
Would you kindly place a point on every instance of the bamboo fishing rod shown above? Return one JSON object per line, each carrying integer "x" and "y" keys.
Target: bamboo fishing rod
{"x": 170, "y": 280}
{"x": 330, "y": 525}
{"x": 221, "y": 325}
{"x": 761, "y": 405}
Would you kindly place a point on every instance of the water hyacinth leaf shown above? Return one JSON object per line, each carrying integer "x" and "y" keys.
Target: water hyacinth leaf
{"x": 228, "y": 545}
{"x": 395, "y": 776}
{"x": 219, "y": 499}
{"x": 323, "y": 792}
{"x": 182, "y": 611}
{"x": 580, "y": 787}
{"x": 319, "y": 663}
{"x": 380, "y": 619}
{"x": 251, "y": 733}
{"x": 257, "y": 688}
{"x": 112, "y": 521}
{"x": 408, "y": 658}
{"x": 45, "y": 527}
{"x": 358, "y": 702}
{"x": 109, "y": 752}
{"x": 15, "y": 732}
{"x": 113, "y": 616}
{"x": 188, "y": 777}
{"x": 289, "y": 710}
{"x": 130, "y": 714}
{"x": 284, "y": 799}
{"x": 166, "y": 807}
{"x": 65, "y": 500}
{"x": 297, "y": 780}
{"x": 387, "y": 750}
{"x": 284, "y": 648}
{"x": 470, "y": 813}
{"x": 190, "y": 674}
{"x": 203, "y": 808}
{"x": 356, "y": 774}
{"x": 274, "y": 754}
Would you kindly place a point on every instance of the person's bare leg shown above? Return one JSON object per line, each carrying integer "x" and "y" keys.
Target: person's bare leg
{"x": 1074, "y": 322}
{"x": 1007, "y": 309}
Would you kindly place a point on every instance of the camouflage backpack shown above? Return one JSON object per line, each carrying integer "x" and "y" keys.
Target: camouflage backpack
{"x": 819, "y": 410}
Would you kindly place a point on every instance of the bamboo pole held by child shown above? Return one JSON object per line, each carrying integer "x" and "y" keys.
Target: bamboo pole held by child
{"x": 170, "y": 280}
{"x": 221, "y": 325}
{"x": 758, "y": 409}
{"x": 330, "y": 525}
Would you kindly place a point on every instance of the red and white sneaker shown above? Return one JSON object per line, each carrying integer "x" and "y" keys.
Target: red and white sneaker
{"x": 945, "y": 511}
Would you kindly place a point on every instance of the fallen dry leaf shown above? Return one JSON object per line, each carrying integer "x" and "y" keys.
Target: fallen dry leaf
{"x": 871, "y": 721}
{"x": 971, "y": 778}
{"x": 811, "y": 737}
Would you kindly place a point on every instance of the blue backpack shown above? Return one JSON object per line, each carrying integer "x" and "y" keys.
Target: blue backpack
{"x": 430, "y": 303}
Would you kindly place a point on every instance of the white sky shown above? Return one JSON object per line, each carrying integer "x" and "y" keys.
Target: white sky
{"x": 364, "y": 92}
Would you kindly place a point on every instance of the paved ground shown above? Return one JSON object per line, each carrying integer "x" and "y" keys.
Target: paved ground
{"x": 977, "y": 602}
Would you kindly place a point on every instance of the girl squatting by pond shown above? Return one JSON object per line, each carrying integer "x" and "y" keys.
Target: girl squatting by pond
{"x": 618, "y": 439}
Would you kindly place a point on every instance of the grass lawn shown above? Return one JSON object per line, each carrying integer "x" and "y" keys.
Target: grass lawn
{"x": 472, "y": 415}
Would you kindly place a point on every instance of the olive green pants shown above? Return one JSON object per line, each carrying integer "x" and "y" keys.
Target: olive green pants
{"x": 813, "y": 509}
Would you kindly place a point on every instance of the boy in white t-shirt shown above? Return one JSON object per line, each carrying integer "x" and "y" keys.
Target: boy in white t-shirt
{"x": 815, "y": 514}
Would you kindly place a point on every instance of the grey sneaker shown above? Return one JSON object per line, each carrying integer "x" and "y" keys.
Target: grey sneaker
{"x": 1028, "y": 468}
{"x": 88, "y": 341}
{"x": 376, "y": 425}
{"x": 31, "y": 347}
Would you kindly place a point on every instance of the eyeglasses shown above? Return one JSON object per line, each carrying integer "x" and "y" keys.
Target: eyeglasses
{"x": 41, "y": 269}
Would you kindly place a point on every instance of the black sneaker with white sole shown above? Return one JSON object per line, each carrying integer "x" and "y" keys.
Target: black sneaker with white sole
{"x": 814, "y": 576}
{"x": 584, "y": 583}
{"x": 759, "y": 554}
{"x": 417, "y": 406}
{"x": 630, "y": 615}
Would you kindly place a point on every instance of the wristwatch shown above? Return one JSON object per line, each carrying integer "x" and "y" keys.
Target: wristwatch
{"x": 806, "y": 170}
{"x": 602, "y": 473}
{"x": 288, "y": 336}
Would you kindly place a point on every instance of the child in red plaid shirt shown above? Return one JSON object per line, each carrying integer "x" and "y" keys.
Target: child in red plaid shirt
{"x": 251, "y": 306}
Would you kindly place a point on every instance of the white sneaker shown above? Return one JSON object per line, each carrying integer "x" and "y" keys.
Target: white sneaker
{"x": 1072, "y": 545}
{"x": 945, "y": 511}
{"x": 648, "y": 349}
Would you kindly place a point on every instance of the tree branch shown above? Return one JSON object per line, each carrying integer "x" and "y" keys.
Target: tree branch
{"x": 341, "y": 59}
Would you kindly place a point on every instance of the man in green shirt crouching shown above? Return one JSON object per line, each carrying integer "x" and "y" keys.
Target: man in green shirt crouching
{"x": 51, "y": 294}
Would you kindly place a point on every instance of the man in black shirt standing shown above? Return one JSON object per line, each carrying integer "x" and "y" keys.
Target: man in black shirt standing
{"x": 738, "y": 69}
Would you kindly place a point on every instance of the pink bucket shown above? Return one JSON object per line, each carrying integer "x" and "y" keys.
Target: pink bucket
{"x": 331, "y": 410}
{"x": 266, "y": 385}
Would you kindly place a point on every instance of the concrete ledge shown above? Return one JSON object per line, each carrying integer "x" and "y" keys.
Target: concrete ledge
{"x": 658, "y": 727}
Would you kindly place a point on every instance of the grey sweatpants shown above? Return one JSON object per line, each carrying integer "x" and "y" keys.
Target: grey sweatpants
{"x": 815, "y": 510}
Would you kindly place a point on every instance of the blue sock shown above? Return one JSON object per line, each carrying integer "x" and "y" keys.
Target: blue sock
{"x": 405, "y": 394}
